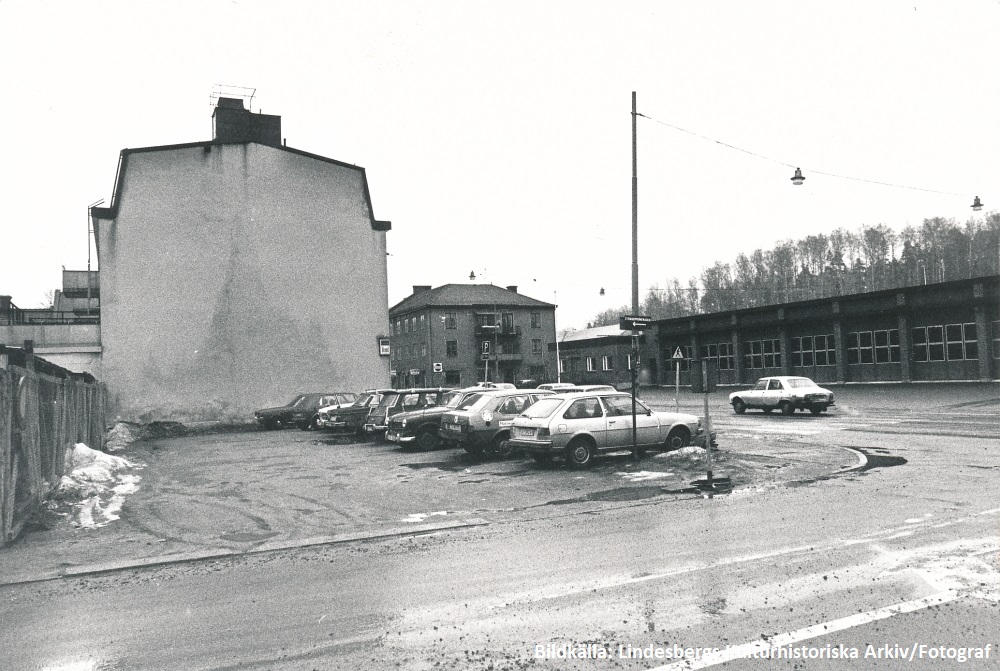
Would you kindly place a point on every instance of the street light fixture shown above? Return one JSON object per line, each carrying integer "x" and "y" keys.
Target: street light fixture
{"x": 797, "y": 178}
{"x": 976, "y": 204}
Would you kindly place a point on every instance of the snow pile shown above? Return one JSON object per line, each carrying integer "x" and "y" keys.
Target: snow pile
{"x": 119, "y": 437}
{"x": 96, "y": 485}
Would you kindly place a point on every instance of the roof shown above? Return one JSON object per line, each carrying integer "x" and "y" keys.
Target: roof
{"x": 466, "y": 295}
{"x": 595, "y": 332}
{"x": 111, "y": 212}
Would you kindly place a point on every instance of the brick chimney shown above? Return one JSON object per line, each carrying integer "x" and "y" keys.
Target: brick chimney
{"x": 231, "y": 122}
{"x": 512, "y": 288}
{"x": 420, "y": 288}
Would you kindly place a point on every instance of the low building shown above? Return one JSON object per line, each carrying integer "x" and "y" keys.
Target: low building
{"x": 934, "y": 332}
{"x": 68, "y": 333}
{"x": 599, "y": 355}
{"x": 459, "y": 334}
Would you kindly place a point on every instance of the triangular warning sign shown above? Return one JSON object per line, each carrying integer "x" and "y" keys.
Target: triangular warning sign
{"x": 677, "y": 354}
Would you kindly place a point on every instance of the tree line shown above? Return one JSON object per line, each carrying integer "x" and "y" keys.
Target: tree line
{"x": 872, "y": 258}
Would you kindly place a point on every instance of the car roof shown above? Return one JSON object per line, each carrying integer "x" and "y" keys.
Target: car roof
{"x": 416, "y": 390}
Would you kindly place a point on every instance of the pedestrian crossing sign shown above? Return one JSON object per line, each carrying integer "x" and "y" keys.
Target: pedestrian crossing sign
{"x": 677, "y": 354}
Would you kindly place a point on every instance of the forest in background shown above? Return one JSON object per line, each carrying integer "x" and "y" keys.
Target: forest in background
{"x": 873, "y": 258}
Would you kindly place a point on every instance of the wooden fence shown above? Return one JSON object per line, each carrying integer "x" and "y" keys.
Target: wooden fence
{"x": 44, "y": 409}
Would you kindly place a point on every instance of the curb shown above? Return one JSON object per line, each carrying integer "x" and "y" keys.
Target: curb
{"x": 277, "y": 546}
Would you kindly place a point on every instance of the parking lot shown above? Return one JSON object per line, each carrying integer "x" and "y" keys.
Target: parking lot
{"x": 252, "y": 490}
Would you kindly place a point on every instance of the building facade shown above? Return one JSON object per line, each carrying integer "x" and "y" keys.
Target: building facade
{"x": 935, "y": 332}
{"x": 457, "y": 335}
{"x": 600, "y": 355}
{"x": 237, "y": 272}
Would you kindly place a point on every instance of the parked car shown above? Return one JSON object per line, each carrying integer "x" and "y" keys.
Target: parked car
{"x": 579, "y": 426}
{"x": 395, "y": 401}
{"x": 495, "y": 385}
{"x": 784, "y": 393}
{"x": 350, "y": 418}
{"x": 557, "y": 386}
{"x": 423, "y": 426}
{"x": 481, "y": 422}
{"x": 279, "y": 417}
{"x": 304, "y": 411}
{"x": 588, "y": 388}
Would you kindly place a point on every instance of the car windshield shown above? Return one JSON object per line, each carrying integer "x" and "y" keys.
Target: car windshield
{"x": 543, "y": 407}
{"x": 800, "y": 382}
{"x": 760, "y": 385}
{"x": 469, "y": 401}
{"x": 363, "y": 400}
{"x": 345, "y": 398}
{"x": 453, "y": 398}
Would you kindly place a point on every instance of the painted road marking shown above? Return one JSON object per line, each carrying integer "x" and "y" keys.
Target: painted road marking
{"x": 762, "y": 648}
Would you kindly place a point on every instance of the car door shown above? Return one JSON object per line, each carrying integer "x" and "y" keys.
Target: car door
{"x": 754, "y": 398}
{"x": 619, "y": 418}
{"x": 586, "y": 416}
{"x": 773, "y": 394}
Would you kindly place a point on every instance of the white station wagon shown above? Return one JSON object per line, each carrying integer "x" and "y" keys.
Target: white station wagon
{"x": 784, "y": 393}
{"x": 577, "y": 426}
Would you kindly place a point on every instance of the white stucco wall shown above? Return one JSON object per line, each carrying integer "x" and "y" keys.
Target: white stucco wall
{"x": 234, "y": 278}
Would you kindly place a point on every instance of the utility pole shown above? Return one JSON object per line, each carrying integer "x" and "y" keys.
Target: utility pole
{"x": 635, "y": 216}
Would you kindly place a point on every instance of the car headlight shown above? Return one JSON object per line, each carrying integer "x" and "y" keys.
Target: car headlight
{"x": 487, "y": 416}
{"x": 332, "y": 419}
{"x": 402, "y": 422}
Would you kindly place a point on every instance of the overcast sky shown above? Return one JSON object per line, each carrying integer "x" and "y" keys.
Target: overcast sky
{"x": 497, "y": 136}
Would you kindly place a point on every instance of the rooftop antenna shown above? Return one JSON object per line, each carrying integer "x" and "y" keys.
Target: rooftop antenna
{"x": 246, "y": 93}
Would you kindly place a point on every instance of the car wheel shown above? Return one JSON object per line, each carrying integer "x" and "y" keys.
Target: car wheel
{"x": 787, "y": 408}
{"x": 501, "y": 445}
{"x": 678, "y": 438}
{"x": 427, "y": 440}
{"x": 816, "y": 409}
{"x": 580, "y": 453}
{"x": 739, "y": 407}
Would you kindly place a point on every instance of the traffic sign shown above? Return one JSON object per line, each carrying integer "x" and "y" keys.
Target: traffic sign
{"x": 677, "y": 354}
{"x": 486, "y": 347}
{"x": 634, "y": 323}
{"x": 438, "y": 367}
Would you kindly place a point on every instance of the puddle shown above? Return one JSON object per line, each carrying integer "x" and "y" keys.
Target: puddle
{"x": 617, "y": 494}
{"x": 451, "y": 466}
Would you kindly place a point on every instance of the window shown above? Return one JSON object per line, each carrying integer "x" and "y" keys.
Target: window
{"x": 753, "y": 357}
{"x": 510, "y": 347}
{"x": 507, "y": 322}
{"x": 591, "y": 364}
{"x": 453, "y": 378}
{"x": 451, "y": 320}
{"x": 918, "y": 340}
{"x": 726, "y": 360}
{"x": 536, "y": 345}
{"x": 406, "y": 325}
{"x": 860, "y": 347}
{"x": 536, "y": 320}
{"x": 423, "y": 323}
{"x": 887, "y": 346}
{"x": 413, "y": 324}
{"x": 608, "y": 362}
{"x": 996, "y": 339}
{"x": 935, "y": 343}
{"x": 451, "y": 348}
{"x": 583, "y": 409}
{"x": 772, "y": 353}
{"x": 486, "y": 319}
{"x": 423, "y": 349}
{"x": 971, "y": 341}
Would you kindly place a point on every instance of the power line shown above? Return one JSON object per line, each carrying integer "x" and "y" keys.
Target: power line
{"x": 790, "y": 165}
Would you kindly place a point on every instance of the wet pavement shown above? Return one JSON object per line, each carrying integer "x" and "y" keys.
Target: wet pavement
{"x": 212, "y": 495}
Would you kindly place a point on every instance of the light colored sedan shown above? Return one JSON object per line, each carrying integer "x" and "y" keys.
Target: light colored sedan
{"x": 785, "y": 393}
{"x": 578, "y": 426}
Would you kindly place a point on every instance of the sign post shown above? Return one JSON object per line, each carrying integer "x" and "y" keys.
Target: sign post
{"x": 703, "y": 378}
{"x": 677, "y": 358}
{"x": 637, "y": 325}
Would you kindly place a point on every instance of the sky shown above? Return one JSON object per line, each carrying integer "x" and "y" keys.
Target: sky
{"x": 497, "y": 137}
